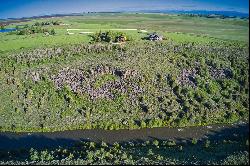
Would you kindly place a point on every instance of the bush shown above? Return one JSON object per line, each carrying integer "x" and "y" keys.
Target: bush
{"x": 200, "y": 95}
{"x": 108, "y": 36}
{"x": 32, "y": 30}
{"x": 34, "y": 155}
{"x": 233, "y": 117}
{"x": 37, "y": 24}
{"x": 52, "y": 32}
{"x": 213, "y": 88}
{"x": 46, "y": 156}
{"x": 150, "y": 152}
{"x": 207, "y": 144}
{"x": 104, "y": 144}
{"x": 194, "y": 141}
{"x": 143, "y": 124}
{"x": 156, "y": 143}
{"x": 171, "y": 143}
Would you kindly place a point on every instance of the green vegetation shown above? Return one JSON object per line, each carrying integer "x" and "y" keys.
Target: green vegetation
{"x": 55, "y": 77}
{"x": 185, "y": 80}
{"x": 137, "y": 85}
{"x": 33, "y": 30}
{"x": 109, "y": 36}
{"x": 149, "y": 152}
{"x": 47, "y": 23}
{"x": 181, "y": 28}
{"x": 2, "y": 27}
{"x": 102, "y": 80}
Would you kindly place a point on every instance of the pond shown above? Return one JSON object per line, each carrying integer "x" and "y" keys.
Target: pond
{"x": 7, "y": 30}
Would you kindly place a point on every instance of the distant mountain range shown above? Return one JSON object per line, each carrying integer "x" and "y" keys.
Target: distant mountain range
{"x": 201, "y": 12}
{"x": 195, "y": 12}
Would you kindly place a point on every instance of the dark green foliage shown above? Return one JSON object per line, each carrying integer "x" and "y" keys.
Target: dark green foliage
{"x": 27, "y": 30}
{"x": 207, "y": 144}
{"x": 194, "y": 141}
{"x": 52, "y": 32}
{"x": 110, "y": 36}
{"x": 2, "y": 26}
{"x": 134, "y": 153}
{"x": 37, "y": 24}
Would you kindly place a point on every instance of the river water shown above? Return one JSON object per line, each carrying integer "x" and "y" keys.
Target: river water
{"x": 10, "y": 140}
{"x": 7, "y": 30}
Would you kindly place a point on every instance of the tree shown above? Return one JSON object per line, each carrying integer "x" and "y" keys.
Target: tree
{"x": 2, "y": 26}
{"x": 34, "y": 155}
{"x": 56, "y": 22}
{"x": 37, "y": 24}
{"x": 52, "y": 32}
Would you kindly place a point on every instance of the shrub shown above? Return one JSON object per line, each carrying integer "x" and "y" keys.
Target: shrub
{"x": 104, "y": 144}
{"x": 52, "y": 32}
{"x": 207, "y": 144}
{"x": 156, "y": 143}
{"x": 200, "y": 95}
{"x": 2, "y": 27}
{"x": 46, "y": 156}
{"x": 150, "y": 152}
{"x": 108, "y": 36}
{"x": 233, "y": 117}
{"x": 194, "y": 141}
{"x": 37, "y": 24}
{"x": 32, "y": 30}
{"x": 213, "y": 87}
{"x": 143, "y": 124}
{"x": 34, "y": 155}
{"x": 116, "y": 145}
{"x": 92, "y": 145}
{"x": 171, "y": 143}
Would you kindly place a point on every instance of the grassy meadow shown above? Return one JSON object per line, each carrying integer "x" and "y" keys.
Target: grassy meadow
{"x": 169, "y": 25}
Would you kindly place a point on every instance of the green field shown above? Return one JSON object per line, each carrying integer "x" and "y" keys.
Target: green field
{"x": 231, "y": 29}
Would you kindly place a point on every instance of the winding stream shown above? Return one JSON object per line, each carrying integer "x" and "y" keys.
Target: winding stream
{"x": 10, "y": 140}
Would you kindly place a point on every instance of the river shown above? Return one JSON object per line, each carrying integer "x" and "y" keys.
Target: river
{"x": 10, "y": 140}
{"x": 7, "y": 30}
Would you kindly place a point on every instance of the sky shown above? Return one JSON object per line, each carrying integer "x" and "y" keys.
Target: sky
{"x": 28, "y": 8}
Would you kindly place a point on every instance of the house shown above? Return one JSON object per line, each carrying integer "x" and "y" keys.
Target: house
{"x": 155, "y": 37}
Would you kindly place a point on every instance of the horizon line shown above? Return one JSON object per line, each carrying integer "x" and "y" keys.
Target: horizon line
{"x": 135, "y": 11}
